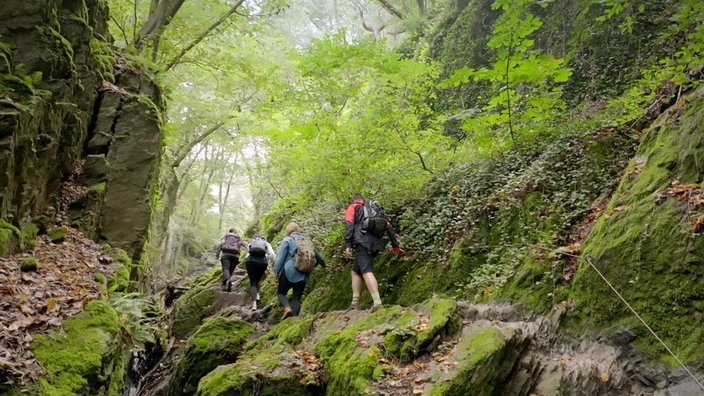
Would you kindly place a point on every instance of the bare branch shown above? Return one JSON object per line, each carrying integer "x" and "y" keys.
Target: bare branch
{"x": 391, "y": 9}
{"x": 203, "y": 35}
{"x": 418, "y": 153}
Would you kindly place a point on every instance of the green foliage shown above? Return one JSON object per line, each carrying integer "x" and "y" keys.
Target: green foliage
{"x": 523, "y": 81}
{"x": 679, "y": 69}
{"x": 138, "y": 317}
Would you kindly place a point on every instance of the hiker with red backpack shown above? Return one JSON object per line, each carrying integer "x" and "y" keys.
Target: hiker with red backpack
{"x": 365, "y": 226}
{"x": 229, "y": 255}
{"x": 295, "y": 260}
{"x": 259, "y": 255}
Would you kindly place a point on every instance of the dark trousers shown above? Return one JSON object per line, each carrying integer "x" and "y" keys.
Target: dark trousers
{"x": 295, "y": 301}
{"x": 256, "y": 268}
{"x": 229, "y": 262}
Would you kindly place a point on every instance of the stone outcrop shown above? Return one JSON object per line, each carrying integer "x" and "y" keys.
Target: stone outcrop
{"x": 66, "y": 99}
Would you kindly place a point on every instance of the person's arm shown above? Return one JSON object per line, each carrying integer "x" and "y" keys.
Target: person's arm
{"x": 319, "y": 259}
{"x": 392, "y": 236}
{"x": 281, "y": 257}
{"x": 242, "y": 245}
{"x": 270, "y": 254}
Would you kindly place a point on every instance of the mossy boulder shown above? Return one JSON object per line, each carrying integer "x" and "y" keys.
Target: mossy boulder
{"x": 271, "y": 365}
{"x": 29, "y": 264}
{"x": 196, "y": 304}
{"x": 648, "y": 243}
{"x": 9, "y": 238}
{"x": 218, "y": 341}
{"x": 57, "y": 235}
{"x": 484, "y": 357}
{"x": 84, "y": 358}
{"x": 336, "y": 353}
{"x": 276, "y": 371}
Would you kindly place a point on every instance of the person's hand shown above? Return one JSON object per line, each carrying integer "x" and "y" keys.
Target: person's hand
{"x": 348, "y": 253}
{"x": 398, "y": 251}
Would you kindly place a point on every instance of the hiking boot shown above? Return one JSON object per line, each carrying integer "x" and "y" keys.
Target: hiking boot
{"x": 375, "y": 308}
{"x": 354, "y": 307}
{"x": 255, "y": 304}
{"x": 229, "y": 286}
{"x": 287, "y": 313}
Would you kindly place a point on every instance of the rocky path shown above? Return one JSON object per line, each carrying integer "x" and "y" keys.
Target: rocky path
{"x": 493, "y": 349}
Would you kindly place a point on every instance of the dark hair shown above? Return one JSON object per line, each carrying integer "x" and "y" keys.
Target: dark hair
{"x": 357, "y": 197}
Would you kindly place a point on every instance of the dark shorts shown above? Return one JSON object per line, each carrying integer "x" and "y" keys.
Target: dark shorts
{"x": 362, "y": 260}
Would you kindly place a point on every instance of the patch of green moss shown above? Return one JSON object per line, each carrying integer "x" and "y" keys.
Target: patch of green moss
{"x": 218, "y": 341}
{"x": 85, "y": 356}
{"x": 485, "y": 358}
{"x": 191, "y": 308}
{"x": 100, "y": 278}
{"x": 274, "y": 371}
{"x": 290, "y": 333}
{"x": 29, "y": 264}
{"x": 29, "y": 235}
{"x": 646, "y": 247}
{"x": 100, "y": 187}
{"x": 9, "y": 238}
{"x": 535, "y": 285}
{"x": 57, "y": 235}
{"x": 413, "y": 332}
{"x": 120, "y": 280}
{"x": 348, "y": 366}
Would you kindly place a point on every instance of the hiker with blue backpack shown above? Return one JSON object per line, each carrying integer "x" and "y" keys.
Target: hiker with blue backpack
{"x": 259, "y": 255}
{"x": 365, "y": 226}
{"x": 229, "y": 255}
{"x": 295, "y": 260}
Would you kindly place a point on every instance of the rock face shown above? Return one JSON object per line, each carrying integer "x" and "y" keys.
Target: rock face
{"x": 58, "y": 104}
{"x": 649, "y": 243}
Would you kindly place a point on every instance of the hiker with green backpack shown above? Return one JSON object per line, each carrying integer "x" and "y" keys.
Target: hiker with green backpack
{"x": 295, "y": 260}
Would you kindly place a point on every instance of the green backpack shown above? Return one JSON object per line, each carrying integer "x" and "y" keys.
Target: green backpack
{"x": 304, "y": 260}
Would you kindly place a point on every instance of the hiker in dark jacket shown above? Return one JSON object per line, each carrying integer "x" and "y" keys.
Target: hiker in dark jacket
{"x": 257, "y": 263}
{"x": 288, "y": 276}
{"x": 229, "y": 255}
{"x": 363, "y": 246}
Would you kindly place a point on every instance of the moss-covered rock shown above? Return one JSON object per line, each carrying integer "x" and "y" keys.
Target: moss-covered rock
{"x": 29, "y": 264}
{"x": 278, "y": 370}
{"x": 218, "y": 341}
{"x": 57, "y": 235}
{"x": 648, "y": 244}
{"x": 120, "y": 279}
{"x": 484, "y": 359}
{"x": 9, "y": 238}
{"x": 85, "y": 357}
{"x": 193, "y": 306}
